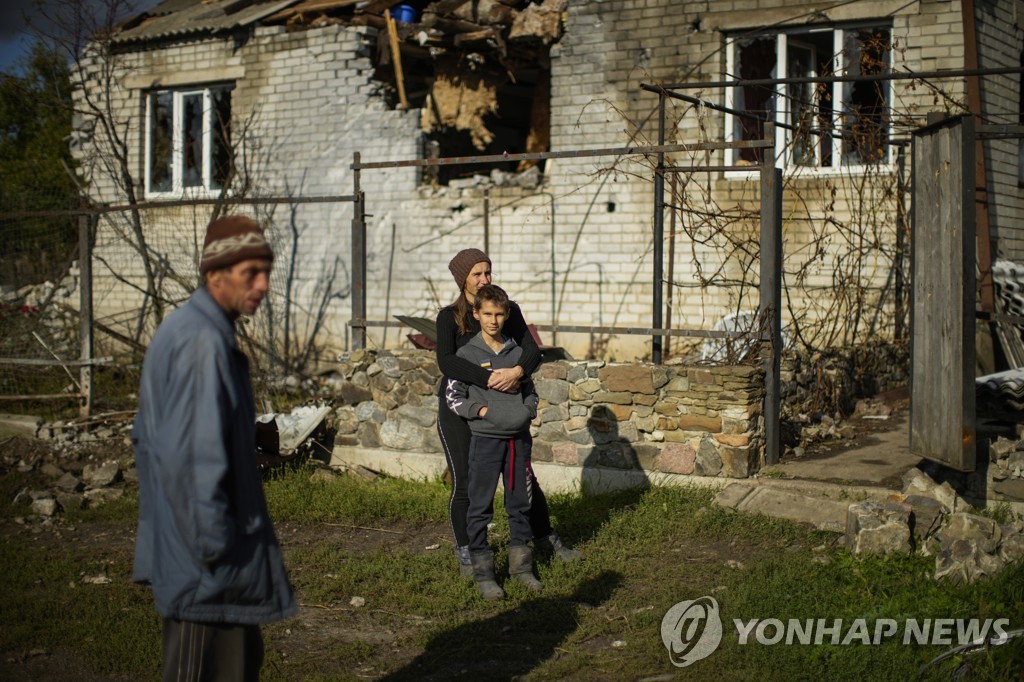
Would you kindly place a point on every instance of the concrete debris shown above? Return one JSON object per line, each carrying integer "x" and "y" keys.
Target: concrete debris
{"x": 97, "y": 496}
{"x": 926, "y": 514}
{"x": 102, "y": 475}
{"x": 530, "y": 178}
{"x": 294, "y": 428}
{"x": 46, "y": 506}
{"x": 974, "y": 546}
{"x": 1006, "y": 465}
{"x": 961, "y": 562}
{"x": 283, "y": 437}
{"x": 966, "y": 545}
{"x": 19, "y": 424}
{"x": 82, "y": 479}
{"x": 878, "y": 528}
{"x": 78, "y": 479}
{"x": 95, "y": 580}
{"x": 69, "y": 501}
{"x": 872, "y": 409}
{"x": 916, "y": 482}
{"x": 70, "y": 483}
{"x": 985, "y": 532}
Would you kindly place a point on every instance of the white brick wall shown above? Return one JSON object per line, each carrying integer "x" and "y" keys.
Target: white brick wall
{"x": 1000, "y": 44}
{"x": 313, "y": 101}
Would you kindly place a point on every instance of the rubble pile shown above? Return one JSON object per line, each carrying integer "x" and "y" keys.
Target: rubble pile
{"x": 933, "y": 519}
{"x": 1006, "y": 459}
{"x": 88, "y": 462}
{"x": 37, "y": 320}
{"x": 803, "y": 432}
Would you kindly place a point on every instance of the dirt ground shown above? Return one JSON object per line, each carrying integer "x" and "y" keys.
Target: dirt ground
{"x": 318, "y": 629}
{"x": 322, "y": 626}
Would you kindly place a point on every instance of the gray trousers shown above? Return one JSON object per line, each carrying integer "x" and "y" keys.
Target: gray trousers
{"x": 201, "y": 652}
{"x": 490, "y": 458}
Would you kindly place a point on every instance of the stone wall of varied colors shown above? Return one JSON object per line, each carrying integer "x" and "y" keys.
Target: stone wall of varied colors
{"x": 704, "y": 421}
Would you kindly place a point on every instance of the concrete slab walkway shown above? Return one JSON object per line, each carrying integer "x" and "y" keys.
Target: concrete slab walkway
{"x": 819, "y": 489}
{"x": 823, "y": 505}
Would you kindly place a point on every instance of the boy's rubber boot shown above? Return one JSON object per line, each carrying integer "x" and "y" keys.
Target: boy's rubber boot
{"x": 483, "y": 576}
{"x": 465, "y": 561}
{"x": 553, "y": 543}
{"x": 520, "y": 567}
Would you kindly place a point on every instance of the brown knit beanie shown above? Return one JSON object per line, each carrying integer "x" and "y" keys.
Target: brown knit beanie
{"x": 230, "y": 240}
{"x": 463, "y": 263}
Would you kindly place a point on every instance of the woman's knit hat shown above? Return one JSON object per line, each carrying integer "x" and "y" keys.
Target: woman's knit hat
{"x": 231, "y": 240}
{"x": 462, "y": 264}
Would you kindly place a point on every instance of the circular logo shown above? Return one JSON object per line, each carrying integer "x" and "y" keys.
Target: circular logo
{"x": 691, "y": 630}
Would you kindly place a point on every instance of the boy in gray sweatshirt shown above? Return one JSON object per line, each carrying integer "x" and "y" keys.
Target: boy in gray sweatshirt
{"x": 500, "y": 445}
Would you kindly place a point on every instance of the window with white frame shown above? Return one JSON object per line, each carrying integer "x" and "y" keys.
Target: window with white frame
{"x": 818, "y": 125}
{"x": 188, "y": 139}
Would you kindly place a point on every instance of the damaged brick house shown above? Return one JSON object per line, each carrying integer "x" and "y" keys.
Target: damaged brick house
{"x": 286, "y": 92}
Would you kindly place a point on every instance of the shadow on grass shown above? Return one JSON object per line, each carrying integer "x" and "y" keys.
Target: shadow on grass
{"x": 510, "y": 644}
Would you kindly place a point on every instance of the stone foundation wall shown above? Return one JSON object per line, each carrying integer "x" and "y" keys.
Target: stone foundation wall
{"x": 673, "y": 419}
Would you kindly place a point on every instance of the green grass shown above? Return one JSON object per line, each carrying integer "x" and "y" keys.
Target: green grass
{"x": 293, "y": 497}
{"x": 44, "y": 603}
{"x": 646, "y": 550}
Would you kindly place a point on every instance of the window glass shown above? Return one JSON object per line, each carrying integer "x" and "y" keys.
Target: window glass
{"x": 866, "y": 103}
{"x": 161, "y": 140}
{"x": 809, "y": 104}
{"x": 220, "y": 142}
{"x": 755, "y": 58}
{"x": 192, "y": 129}
{"x": 188, "y": 139}
{"x": 817, "y": 130}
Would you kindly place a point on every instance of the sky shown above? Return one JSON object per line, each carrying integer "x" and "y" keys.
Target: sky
{"x": 15, "y": 36}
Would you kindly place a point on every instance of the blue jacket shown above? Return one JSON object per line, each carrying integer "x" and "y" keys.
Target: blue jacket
{"x": 205, "y": 543}
{"x": 508, "y": 414}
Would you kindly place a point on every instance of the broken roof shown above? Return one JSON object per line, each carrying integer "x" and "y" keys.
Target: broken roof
{"x": 182, "y": 18}
{"x": 443, "y": 22}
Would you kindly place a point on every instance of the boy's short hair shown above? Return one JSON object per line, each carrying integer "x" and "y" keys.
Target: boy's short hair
{"x": 492, "y": 293}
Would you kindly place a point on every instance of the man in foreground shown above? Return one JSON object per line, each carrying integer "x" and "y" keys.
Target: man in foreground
{"x": 205, "y": 542}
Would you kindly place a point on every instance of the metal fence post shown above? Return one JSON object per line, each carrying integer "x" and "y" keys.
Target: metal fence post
{"x": 85, "y": 312}
{"x": 659, "y": 235}
{"x": 770, "y": 308}
{"x": 358, "y": 261}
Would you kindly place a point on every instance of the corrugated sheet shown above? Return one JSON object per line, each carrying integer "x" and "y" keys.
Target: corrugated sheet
{"x": 176, "y": 18}
{"x": 1007, "y": 384}
{"x": 1008, "y": 278}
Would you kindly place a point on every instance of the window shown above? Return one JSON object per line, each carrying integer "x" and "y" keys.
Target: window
{"x": 188, "y": 139}
{"x": 811, "y": 129}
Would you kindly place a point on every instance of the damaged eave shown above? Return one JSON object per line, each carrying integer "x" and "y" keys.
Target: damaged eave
{"x": 492, "y": 21}
{"x": 180, "y": 19}
{"x": 445, "y": 20}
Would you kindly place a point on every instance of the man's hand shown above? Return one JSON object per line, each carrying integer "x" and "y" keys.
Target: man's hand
{"x": 483, "y": 412}
{"x": 505, "y": 380}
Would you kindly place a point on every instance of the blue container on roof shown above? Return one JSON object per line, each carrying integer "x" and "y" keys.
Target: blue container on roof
{"x": 405, "y": 13}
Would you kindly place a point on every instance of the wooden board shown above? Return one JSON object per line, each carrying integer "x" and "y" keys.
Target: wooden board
{"x": 944, "y": 294}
